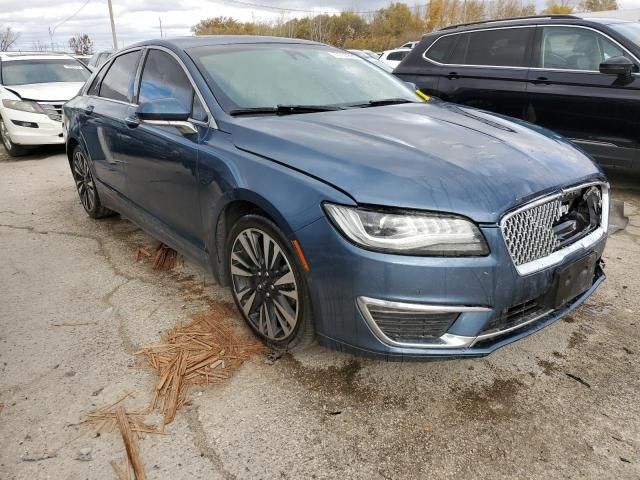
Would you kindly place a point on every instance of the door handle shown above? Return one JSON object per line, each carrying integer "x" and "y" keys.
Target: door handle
{"x": 89, "y": 109}
{"x": 132, "y": 121}
{"x": 453, "y": 76}
{"x": 541, "y": 81}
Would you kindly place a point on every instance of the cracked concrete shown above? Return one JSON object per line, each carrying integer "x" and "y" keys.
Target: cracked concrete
{"x": 519, "y": 413}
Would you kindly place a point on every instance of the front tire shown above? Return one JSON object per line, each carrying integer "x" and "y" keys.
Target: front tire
{"x": 12, "y": 149}
{"x": 86, "y": 185}
{"x": 267, "y": 283}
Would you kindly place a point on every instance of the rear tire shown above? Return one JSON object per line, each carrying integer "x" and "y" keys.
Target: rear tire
{"x": 267, "y": 283}
{"x": 86, "y": 185}
{"x": 12, "y": 149}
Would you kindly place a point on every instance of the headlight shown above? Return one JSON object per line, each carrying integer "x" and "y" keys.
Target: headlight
{"x": 415, "y": 233}
{"x": 23, "y": 106}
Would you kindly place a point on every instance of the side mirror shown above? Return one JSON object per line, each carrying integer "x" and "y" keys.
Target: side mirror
{"x": 620, "y": 66}
{"x": 166, "y": 112}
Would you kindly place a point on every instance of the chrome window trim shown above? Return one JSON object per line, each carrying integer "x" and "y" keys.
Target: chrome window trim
{"x": 584, "y": 27}
{"x": 211, "y": 122}
{"x": 435, "y": 62}
{"x": 448, "y": 340}
{"x": 424, "y": 54}
{"x": 559, "y": 255}
{"x": 112, "y": 100}
{"x": 594, "y": 142}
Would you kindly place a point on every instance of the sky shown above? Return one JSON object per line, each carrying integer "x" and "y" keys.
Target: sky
{"x": 139, "y": 19}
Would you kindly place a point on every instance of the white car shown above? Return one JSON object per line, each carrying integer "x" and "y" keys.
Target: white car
{"x": 394, "y": 57}
{"x": 33, "y": 88}
{"x": 410, "y": 45}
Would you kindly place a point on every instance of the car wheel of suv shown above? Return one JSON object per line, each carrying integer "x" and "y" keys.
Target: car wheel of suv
{"x": 86, "y": 185}
{"x": 12, "y": 149}
{"x": 268, "y": 286}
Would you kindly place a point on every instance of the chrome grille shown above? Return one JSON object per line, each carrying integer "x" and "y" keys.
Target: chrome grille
{"x": 53, "y": 110}
{"x": 529, "y": 233}
{"x": 535, "y": 232}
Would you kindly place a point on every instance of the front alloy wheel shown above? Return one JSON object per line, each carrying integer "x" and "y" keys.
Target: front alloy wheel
{"x": 266, "y": 283}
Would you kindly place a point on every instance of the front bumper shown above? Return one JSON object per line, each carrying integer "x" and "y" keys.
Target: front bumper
{"x": 47, "y": 132}
{"x": 342, "y": 273}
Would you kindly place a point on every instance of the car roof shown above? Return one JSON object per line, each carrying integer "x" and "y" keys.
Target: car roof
{"x": 8, "y": 56}
{"x": 401, "y": 49}
{"x": 214, "y": 40}
{"x": 533, "y": 20}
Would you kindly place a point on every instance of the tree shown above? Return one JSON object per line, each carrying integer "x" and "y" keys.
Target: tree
{"x": 510, "y": 8}
{"x": 40, "y": 46}
{"x": 598, "y": 5}
{"x": 7, "y": 38}
{"x": 561, "y": 7}
{"x": 441, "y": 13}
{"x": 223, "y": 26}
{"x": 81, "y": 44}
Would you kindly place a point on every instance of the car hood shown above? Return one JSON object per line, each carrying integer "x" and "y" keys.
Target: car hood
{"x": 57, "y": 91}
{"x": 438, "y": 156}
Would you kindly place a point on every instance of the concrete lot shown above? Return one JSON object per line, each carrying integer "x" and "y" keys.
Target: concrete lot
{"x": 321, "y": 414}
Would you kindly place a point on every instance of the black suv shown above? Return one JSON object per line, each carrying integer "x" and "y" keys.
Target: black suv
{"x": 576, "y": 76}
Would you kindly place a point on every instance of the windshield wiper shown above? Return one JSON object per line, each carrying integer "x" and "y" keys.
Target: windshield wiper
{"x": 386, "y": 101}
{"x": 284, "y": 110}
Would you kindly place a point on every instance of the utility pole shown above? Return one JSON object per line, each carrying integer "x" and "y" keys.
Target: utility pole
{"x": 113, "y": 26}
{"x": 160, "y": 20}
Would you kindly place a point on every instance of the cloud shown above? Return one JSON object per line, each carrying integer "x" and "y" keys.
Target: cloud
{"x": 139, "y": 19}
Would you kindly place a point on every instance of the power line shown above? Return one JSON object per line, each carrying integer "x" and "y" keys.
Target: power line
{"x": 70, "y": 17}
{"x": 298, "y": 10}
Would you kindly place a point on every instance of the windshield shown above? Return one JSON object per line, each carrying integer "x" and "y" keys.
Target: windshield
{"x": 630, "y": 30}
{"x": 24, "y": 72}
{"x": 268, "y": 75}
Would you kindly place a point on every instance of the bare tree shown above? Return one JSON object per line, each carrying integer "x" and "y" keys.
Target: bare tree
{"x": 598, "y": 5}
{"x": 40, "y": 46}
{"x": 81, "y": 44}
{"x": 7, "y": 38}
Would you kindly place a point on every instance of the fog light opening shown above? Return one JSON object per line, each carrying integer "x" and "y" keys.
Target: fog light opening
{"x": 20, "y": 123}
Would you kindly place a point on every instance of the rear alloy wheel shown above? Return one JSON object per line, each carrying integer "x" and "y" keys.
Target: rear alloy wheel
{"x": 12, "y": 149}
{"x": 266, "y": 282}
{"x": 86, "y": 185}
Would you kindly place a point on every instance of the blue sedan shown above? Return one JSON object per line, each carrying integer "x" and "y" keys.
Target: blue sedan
{"x": 336, "y": 204}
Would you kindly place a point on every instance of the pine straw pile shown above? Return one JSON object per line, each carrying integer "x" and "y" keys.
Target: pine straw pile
{"x": 132, "y": 428}
{"x": 206, "y": 351}
{"x": 166, "y": 258}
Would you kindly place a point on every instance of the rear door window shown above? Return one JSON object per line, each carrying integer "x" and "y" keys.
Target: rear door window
{"x": 504, "y": 47}
{"x": 397, "y": 56}
{"x": 440, "y": 50}
{"x": 118, "y": 81}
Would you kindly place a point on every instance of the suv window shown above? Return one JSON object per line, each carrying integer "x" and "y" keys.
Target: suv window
{"x": 163, "y": 77}
{"x": 397, "y": 56}
{"x": 504, "y": 47}
{"x": 118, "y": 82}
{"x": 575, "y": 48}
{"x": 439, "y": 51}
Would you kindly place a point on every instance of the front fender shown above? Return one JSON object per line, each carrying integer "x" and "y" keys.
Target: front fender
{"x": 291, "y": 198}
